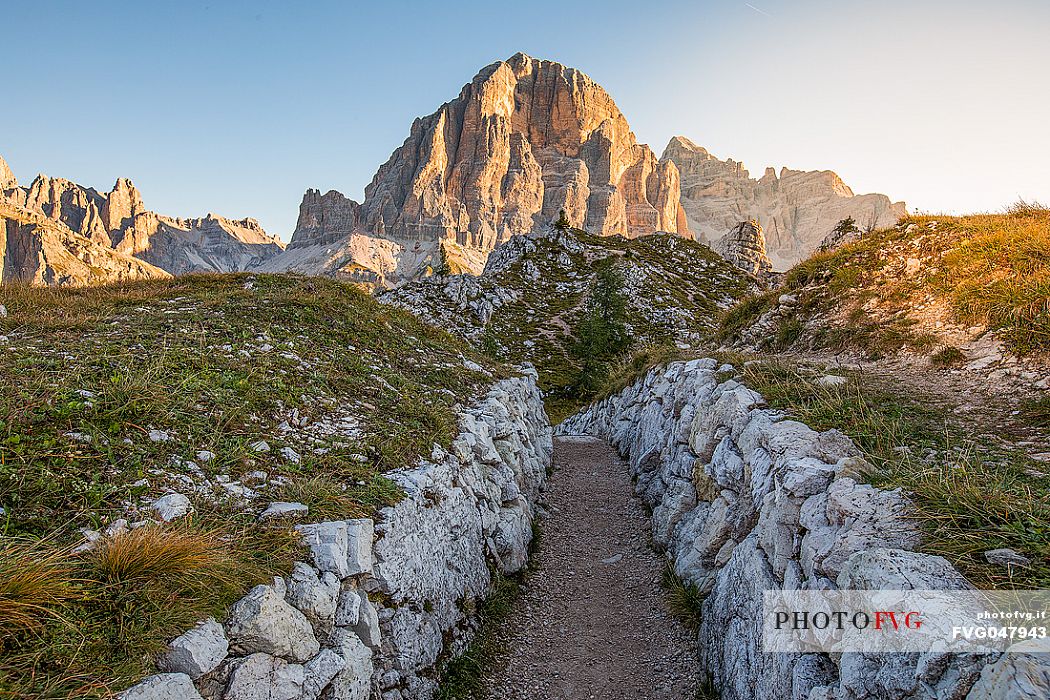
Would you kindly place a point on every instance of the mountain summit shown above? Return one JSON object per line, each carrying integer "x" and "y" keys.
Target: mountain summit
{"x": 524, "y": 139}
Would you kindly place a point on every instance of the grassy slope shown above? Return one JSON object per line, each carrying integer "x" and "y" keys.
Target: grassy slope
{"x": 888, "y": 290}
{"x": 217, "y": 363}
{"x": 972, "y": 493}
{"x": 677, "y": 287}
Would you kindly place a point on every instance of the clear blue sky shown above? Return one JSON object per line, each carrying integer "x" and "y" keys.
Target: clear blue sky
{"x": 238, "y": 107}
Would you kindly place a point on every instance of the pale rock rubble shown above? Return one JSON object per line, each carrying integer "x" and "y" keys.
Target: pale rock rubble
{"x": 525, "y": 139}
{"x": 380, "y": 605}
{"x": 796, "y": 209}
{"x": 744, "y": 501}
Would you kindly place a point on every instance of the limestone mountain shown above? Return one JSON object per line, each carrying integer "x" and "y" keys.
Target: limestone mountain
{"x": 524, "y": 139}
{"x": 35, "y": 249}
{"x": 7, "y": 178}
{"x": 58, "y": 232}
{"x": 796, "y": 209}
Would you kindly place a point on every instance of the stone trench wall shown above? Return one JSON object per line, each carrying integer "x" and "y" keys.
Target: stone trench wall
{"x": 744, "y": 501}
{"x": 379, "y": 605}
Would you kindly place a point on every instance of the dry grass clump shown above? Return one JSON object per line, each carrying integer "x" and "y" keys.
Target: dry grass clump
{"x": 35, "y": 580}
{"x": 150, "y": 555}
{"x": 78, "y": 625}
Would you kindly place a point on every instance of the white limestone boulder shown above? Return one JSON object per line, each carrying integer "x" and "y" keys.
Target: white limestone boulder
{"x": 263, "y": 676}
{"x": 263, "y": 621}
{"x": 312, "y": 594}
{"x": 328, "y": 542}
{"x": 196, "y": 652}
{"x": 354, "y": 680}
{"x": 162, "y": 686}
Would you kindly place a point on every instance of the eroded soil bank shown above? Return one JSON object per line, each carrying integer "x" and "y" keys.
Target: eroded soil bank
{"x": 593, "y": 620}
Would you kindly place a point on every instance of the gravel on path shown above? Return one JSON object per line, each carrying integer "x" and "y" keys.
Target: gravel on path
{"x": 592, "y": 621}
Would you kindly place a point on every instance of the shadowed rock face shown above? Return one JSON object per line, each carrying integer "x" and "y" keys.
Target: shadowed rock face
{"x": 523, "y": 140}
{"x": 58, "y": 232}
{"x": 796, "y": 209}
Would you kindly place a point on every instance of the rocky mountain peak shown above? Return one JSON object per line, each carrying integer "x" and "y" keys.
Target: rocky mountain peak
{"x": 122, "y": 205}
{"x": 7, "y": 178}
{"x": 524, "y": 139}
{"x": 56, "y": 231}
{"x": 681, "y": 146}
{"x": 324, "y": 218}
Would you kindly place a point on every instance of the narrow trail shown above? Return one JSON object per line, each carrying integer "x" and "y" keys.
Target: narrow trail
{"x": 592, "y": 621}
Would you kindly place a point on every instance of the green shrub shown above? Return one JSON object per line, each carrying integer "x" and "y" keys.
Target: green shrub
{"x": 948, "y": 356}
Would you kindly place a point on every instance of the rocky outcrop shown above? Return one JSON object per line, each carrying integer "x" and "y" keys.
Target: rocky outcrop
{"x": 524, "y": 139}
{"x": 744, "y": 501}
{"x": 324, "y": 219}
{"x": 76, "y": 235}
{"x": 379, "y": 606}
{"x": 674, "y": 288}
{"x": 796, "y": 209}
{"x": 745, "y": 247}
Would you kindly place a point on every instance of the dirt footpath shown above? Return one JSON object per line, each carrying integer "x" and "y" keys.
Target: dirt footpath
{"x": 592, "y": 621}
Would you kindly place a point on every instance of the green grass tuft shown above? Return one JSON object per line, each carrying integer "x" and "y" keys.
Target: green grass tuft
{"x": 1037, "y": 411}
{"x": 948, "y": 356}
{"x": 683, "y": 598}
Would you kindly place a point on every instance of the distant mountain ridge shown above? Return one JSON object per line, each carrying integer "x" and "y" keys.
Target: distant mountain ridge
{"x": 58, "y": 232}
{"x": 795, "y": 209}
{"x": 525, "y": 140}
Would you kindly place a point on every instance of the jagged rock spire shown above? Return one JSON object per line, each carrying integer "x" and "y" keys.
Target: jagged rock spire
{"x": 7, "y": 178}
{"x": 745, "y": 247}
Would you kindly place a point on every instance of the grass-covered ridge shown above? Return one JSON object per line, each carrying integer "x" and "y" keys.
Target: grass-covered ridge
{"x": 888, "y": 290}
{"x": 675, "y": 288}
{"x": 233, "y": 390}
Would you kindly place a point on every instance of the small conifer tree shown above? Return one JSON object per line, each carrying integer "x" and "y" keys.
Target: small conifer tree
{"x": 602, "y": 334}
{"x": 562, "y": 224}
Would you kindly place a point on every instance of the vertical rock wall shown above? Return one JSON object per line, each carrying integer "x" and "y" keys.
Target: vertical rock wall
{"x": 746, "y": 501}
{"x": 379, "y": 605}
